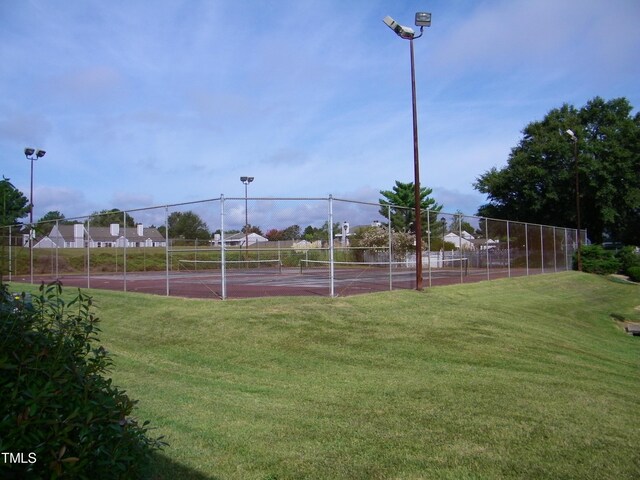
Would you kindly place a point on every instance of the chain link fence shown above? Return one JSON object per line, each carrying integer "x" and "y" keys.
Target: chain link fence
{"x": 250, "y": 247}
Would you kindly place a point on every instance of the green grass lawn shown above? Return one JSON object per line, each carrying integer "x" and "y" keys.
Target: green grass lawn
{"x": 518, "y": 378}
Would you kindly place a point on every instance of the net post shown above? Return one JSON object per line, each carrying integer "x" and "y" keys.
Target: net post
{"x": 223, "y": 269}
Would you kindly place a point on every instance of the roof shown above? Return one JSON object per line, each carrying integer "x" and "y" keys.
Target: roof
{"x": 241, "y": 236}
{"x": 103, "y": 234}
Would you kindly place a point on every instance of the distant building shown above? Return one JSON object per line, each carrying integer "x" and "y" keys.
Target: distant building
{"x": 305, "y": 245}
{"x": 79, "y": 236}
{"x": 469, "y": 242}
{"x": 241, "y": 240}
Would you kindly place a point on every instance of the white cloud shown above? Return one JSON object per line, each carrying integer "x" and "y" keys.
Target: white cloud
{"x": 69, "y": 201}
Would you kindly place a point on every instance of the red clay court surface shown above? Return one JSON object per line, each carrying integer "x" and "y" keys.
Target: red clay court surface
{"x": 290, "y": 282}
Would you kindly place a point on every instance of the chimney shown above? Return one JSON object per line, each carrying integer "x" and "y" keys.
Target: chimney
{"x": 78, "y": 235}
{"x": 114, "y": 229}
{"x": 140, "y": 230}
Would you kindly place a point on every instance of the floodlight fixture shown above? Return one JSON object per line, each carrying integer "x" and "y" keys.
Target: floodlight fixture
{"x": 30, "y": 152}
{"x": 571, "y": 134}
{"x": 423, "y": 19}
{"x": 402, "y": 31}
{"x": 246, "y": 180}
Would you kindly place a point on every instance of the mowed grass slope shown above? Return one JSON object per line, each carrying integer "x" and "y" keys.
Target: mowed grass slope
{"x": 519, "y": 378}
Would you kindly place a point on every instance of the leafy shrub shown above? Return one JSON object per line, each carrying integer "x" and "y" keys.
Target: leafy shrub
{"x": 634, "y": 274}
{"x": 628, "y": 259}
{"x": 57, "y": 405}
{"x": 596, "y": 259}
{"x": 376, "y": 240}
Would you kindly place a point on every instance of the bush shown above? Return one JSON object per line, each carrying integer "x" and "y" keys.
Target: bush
{"x": 628, "y": 259}
{"x": 58, "y": 409}
{"x": 596, "y": 259}
{"x": 376, "y": 241}
{"x": 634, "y": 274}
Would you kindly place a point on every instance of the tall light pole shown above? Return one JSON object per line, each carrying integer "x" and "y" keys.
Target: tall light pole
{"x": 574, "y": 139}
{"x": 246, "y": 181}
{"x": 422, "y": 19}
{"x": 32, "y": 154}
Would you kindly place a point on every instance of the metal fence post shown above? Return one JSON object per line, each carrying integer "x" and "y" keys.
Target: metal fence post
{"x": 124, "y": 251}
{"x": 166, "y": 245}
{"x": 331, "y": 264}
{"x": 486, "y": 247}
{"x": 526, "y": 245}
{"x": 541, "y": 251}
{"x": 10, "y": 252}
{"x": 223, "y": 269}
{"x": 566, "y": 250}
{"x": 508, "y": 252}
{"x": 57, "y": 246}
{"x": 390, "y": 235}
{"x": 88, "y": 252}
{"x": 460, "y": 242}
{"x": 555, "y": 252}
{"x": 429, "y": 243}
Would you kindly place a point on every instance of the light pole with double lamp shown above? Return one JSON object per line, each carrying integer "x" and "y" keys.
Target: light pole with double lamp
{"x": 32, "y": 154}
{"x": 246, "y": 181}
{"x": 422, "y": 19}
{"x": 574, "y": 139}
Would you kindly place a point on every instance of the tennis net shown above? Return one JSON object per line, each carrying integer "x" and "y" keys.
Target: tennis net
{"x": 447, "y": 266}
{"x": 355, "y": 268}
{"x": 258, "y": 267}
{"x": 441, "y": 267}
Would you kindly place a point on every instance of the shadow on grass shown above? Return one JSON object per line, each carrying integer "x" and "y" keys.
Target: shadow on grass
{"x": 164, "y": 468}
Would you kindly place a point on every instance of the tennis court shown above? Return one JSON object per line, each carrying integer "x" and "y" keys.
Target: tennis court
{"x": 348, "y": 247}
{"x": 264, "y": 279}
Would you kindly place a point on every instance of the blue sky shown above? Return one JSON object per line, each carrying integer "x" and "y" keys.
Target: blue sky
{"x": 142, "y": 103}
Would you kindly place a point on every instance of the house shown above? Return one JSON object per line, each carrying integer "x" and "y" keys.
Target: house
{"x": 305, "y": 245}
{"x": 462, "y": 242}
{"x": 240, "y": 239}
{"x": 80, "y": 236}
{"x": 469, "y": 242}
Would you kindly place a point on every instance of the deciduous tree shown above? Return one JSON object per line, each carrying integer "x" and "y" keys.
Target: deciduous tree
{"x": 13, "y": 204}
{"x": 49, "y": 219}
{"x": 104, "y": 218}
{"x": 188, "y": 225}
{"x": 538, "y": 184}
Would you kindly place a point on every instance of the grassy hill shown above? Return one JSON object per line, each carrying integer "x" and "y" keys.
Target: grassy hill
{"x": 518, "y": 378}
